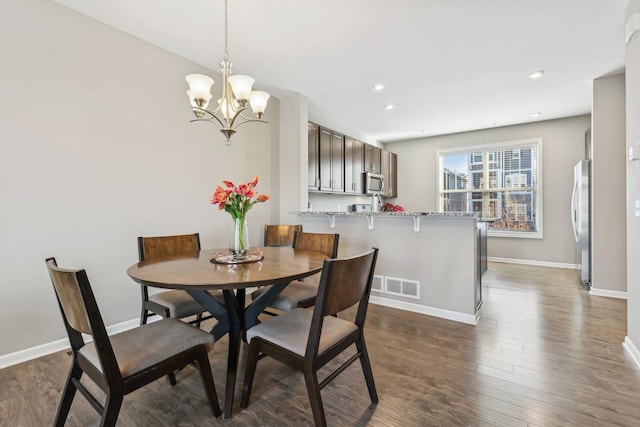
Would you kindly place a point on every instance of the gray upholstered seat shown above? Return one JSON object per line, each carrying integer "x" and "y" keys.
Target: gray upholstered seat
{"x": 296, "y": 294}
{"x": 140, "y": 348}
{"x": 290, "y": 331}
{"x": 179, "y": 303}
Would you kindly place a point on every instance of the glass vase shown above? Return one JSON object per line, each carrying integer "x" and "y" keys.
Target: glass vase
{"x": 239, "y": 239}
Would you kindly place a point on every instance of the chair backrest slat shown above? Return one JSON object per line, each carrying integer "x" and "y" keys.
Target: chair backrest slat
{"x": 67, "y": 289}
{"x": 321, "y": 242}
{"x": 280, "y": 235}
{"x": 80, "y": 314}
{"x": 346, "y": 283}
{"x": 161, "y": 246}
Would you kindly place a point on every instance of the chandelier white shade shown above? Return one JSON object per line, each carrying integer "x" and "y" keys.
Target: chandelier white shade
{"x": 237, "y": 96}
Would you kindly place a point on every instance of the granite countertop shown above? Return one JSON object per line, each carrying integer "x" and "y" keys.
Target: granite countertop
{"x": 408, "y": 213}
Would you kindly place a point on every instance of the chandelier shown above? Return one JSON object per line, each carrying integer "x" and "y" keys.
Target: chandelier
{"x": 237, "y": 95}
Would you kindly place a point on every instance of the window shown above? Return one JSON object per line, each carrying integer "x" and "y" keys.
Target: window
{"x": 498, "y": 181}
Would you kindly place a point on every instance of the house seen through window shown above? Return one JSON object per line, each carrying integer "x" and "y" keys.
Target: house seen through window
{"x": 500, "y": 182}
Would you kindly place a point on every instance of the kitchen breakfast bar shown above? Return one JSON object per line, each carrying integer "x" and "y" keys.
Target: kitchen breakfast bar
{"x": 429, "y": 262}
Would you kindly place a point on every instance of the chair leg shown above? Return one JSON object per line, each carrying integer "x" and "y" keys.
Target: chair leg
{"x": 111, "y": 410}
{"x": 249, "y": 373}
{"x": 207, "y": 381}
{"x": 366, "y": 369}
{"x": 144, "y": 315}
{"x": 67, "y": 397}
{"x": 171, "y": 376}
{"x": 311, "y": 379}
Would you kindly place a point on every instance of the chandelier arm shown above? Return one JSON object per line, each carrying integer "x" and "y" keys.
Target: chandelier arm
{"x": 250, "y": 118}
{"x": 209, "y": 119}
{"x": 236, "y": 115}
{"x": 251, "y": 121}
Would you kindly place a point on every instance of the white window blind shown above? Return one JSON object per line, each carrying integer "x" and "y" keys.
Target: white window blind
{"x": 500, "y": 182}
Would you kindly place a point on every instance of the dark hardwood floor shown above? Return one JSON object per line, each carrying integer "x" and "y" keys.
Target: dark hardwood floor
{"x": 545, "y": 353}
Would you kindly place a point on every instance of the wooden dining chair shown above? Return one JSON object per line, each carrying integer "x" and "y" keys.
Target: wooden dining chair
{"x": 280, "y": 235}
{"x": 307, "y": 340}
{"x": 174, "y": 303}
{"x": 303, "y": 293}
{"x": 124, "y": 362}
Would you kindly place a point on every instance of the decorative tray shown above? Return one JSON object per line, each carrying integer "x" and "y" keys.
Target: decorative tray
{"x": 224, "y": 256}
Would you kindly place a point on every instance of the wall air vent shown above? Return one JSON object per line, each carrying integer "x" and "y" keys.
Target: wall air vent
{"x": 378, "y": 283}
{"x": 402, "y": 287}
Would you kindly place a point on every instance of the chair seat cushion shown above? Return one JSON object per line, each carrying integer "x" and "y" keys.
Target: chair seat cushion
{"x": 179, "y": 303}
{"x": 144, "y": 346}
{"x": 290, "y": 330}
{"x": 291, "y": 296}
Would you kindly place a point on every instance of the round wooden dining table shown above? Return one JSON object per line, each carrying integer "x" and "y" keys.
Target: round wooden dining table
{"x": 202, "y": 272}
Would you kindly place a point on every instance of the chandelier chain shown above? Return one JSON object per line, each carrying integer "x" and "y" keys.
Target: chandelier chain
{"x": 226, "y": 31}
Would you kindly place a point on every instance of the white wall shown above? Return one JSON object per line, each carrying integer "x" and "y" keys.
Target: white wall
{"x": 563, "y": 147}
{"x": 633, "y": 183}
{"x": 292, "y": 157}
{"x": 96, "y": 149}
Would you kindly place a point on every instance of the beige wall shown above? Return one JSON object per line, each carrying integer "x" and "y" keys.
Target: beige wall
{"x": 563, "y": 147}
{"x": 96, "y": 148}
{"x": 633, "y": 182}
{"x": 608, "y": 224}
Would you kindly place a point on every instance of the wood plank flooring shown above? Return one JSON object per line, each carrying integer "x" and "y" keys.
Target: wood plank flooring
{"x": 545, "y": 353}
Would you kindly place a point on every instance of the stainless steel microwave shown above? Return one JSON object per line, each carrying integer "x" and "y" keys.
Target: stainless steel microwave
{"x": 373, "y": 183}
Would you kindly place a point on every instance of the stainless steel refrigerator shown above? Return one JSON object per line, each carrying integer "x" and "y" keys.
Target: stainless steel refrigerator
{"x": 581, "y": 219}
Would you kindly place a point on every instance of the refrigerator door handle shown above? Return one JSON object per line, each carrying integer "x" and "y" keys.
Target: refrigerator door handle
{"x": 574, "y": 213}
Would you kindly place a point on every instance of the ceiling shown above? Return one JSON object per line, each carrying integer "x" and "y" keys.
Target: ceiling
{"x": 447, "y": 66}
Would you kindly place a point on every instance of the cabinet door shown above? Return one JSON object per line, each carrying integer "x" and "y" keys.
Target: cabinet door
{"x": 337, "y": 162}
{"x": 325, "y": 159}
{"x": 388, "y": 165}
{"x": 371, "y": 158}
{"x": 392, "y": 187}
{"x": 331, "y": 160}
{"x": 384, "y": 169}
{"x": 353, "y": 165}
{"x": 314, "y": 157}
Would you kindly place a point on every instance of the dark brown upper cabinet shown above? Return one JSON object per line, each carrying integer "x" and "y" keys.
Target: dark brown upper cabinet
{"x": 372, "y": 158}
{"x": 353, "y": 165}
{"x": 331, "y": 160}
{"x": 389, "y": 168}
{"x": 314, "y": 157}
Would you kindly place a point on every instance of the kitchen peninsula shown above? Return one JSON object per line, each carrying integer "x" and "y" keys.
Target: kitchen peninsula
{"x": 429, "y": 262}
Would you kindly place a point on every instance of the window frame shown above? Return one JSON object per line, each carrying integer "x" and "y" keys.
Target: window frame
{"x": 537, "y": 191}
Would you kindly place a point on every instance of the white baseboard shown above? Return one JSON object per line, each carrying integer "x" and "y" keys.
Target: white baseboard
{"x": 423, "y": 309}
{"x": 532, "y": 262}
{"x": 607, "y": 293}
{"x": 632, "y": 350}
{"x": 58, "y": 345}
{"x": 592, "y": 291}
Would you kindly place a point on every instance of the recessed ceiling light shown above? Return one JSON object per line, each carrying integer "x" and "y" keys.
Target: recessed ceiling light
{"x": 378, "y": 87}
{"x": 425, "y": 131}
{"x": 536, "y": 74}
{"x": 389, "y": 106}
{"x": 538, "y": 114}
